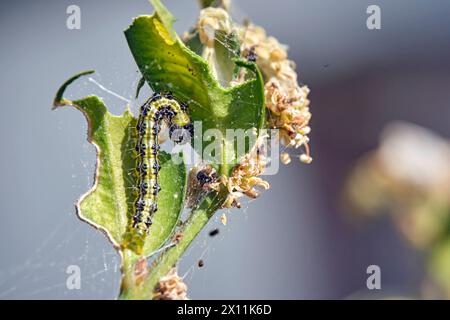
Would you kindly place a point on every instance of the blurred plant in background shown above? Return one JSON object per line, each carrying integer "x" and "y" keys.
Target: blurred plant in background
{"x": 408, "y": 177}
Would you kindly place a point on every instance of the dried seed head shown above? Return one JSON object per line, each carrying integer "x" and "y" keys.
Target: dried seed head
{"x": 305, "y": 158}
{"x": 223, "y": 219}
{"x": 212, "y": 20}
{"x": 171, "y": 287}
{"x": 285, "y": 158}
{"x": 244, "y": 178}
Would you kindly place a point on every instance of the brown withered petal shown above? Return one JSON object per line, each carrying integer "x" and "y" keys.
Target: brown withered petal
{"x": 171, "y": 287}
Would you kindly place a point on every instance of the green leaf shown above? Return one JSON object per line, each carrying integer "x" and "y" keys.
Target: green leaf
{"x": 139, "y": 86}
{"x": 108, "y": 206}
{"x": 168, "y": 65}
{"x": 211, "y": 3}
{"x": 226, "y": 51}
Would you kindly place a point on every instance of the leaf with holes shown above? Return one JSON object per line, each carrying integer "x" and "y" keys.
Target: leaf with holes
{"x": 168, "y": 65}
{"x": 108, "y": 206}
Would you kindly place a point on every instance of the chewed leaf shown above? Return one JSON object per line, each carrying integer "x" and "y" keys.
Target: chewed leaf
{"x": 108, "y": 206}
{"x": 168, "y": 65}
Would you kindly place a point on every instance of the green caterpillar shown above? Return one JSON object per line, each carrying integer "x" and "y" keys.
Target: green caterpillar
{"x": 158, "y": 108}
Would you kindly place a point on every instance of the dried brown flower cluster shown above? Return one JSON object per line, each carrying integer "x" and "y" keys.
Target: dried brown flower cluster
{"x": 244, "y": 178}
{"x": 287, "y": 101}
{"x": 171, "y": 287}
{"x": 212, "y": 20}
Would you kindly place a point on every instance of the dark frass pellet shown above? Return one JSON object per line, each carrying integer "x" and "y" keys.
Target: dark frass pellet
{"x": 214, "y": 232}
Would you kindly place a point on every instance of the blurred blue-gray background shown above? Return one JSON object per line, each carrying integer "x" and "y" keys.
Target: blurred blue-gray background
{"x": 293, "y": 242}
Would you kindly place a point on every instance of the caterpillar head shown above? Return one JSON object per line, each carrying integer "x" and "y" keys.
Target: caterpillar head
{"x": 181, "y": 134}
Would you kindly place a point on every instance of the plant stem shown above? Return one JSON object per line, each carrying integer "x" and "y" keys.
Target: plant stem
{"x": 197, "y": 220}
{"x": 128, "y": 280}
